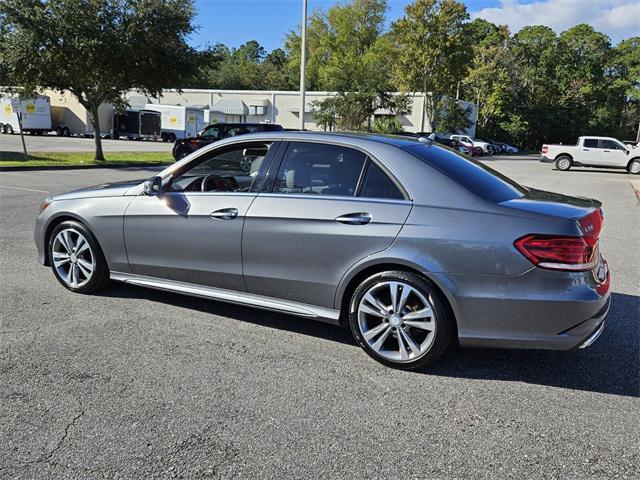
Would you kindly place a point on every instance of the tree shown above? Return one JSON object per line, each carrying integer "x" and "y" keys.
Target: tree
{"x": 454, "y": 117}
{"x": 98, "y": 49}
{"x": 490, "y": 79}
{"x": 432, "y": 51}
{"x": 346, "y": 50}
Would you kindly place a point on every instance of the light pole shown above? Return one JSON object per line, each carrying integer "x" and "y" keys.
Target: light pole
{"x": 303, "y": 61}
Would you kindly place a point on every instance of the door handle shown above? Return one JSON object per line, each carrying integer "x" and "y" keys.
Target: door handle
{"x": 608, "y": 151}
{"x": 225, "y": 213}
{"x": 361, "y": 218}
{"x": 585, "y": 149}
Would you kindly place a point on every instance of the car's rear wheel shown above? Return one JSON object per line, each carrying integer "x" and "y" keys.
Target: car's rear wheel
{"x": 634, "y": 166}
{"x": 400, "y": 319}
{"x": 563, "y": 163}
{"x": 76, "y": 258}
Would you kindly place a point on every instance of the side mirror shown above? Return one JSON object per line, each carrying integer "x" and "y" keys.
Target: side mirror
{"x": 153, "y": 186}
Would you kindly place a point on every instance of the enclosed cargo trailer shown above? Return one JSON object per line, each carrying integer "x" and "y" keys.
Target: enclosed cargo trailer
{"x": 177, "y": 121}
{"x": 137, "y": 124}
{"x": 36, "y": 115}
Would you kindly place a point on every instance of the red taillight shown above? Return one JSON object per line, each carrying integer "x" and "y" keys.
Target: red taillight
{"x": 559, "y": 253}
{"x": 562, "y": 252}
{"x": 545, "y": 149}
{"x": 591, "y": 224}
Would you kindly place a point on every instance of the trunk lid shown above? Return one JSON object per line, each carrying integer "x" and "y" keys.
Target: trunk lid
{"x": 554, "y": 204}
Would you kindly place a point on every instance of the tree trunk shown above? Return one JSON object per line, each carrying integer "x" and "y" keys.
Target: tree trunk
{"x": 95, "y": 121}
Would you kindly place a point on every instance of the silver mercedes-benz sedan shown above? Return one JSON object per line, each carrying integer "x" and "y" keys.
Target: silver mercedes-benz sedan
{"x": 410, "y": 245}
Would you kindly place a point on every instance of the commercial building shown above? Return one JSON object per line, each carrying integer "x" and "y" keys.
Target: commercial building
{"x": 281, "y": 107}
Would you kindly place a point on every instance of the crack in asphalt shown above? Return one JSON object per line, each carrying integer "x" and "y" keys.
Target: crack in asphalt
{"x": 48, "y": 457}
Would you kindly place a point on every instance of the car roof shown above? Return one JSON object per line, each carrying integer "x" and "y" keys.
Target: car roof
{"x": 356, "y": 137}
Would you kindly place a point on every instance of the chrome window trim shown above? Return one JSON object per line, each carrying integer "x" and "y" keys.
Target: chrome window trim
{"x": 303, "y": 196}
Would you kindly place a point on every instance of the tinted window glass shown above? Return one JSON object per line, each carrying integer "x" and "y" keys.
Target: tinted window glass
{"x": 233, "y": 169}
{"x": 474, "y": 176}
{"x": 610, "y": 145}
{"x": 590, "y": 143}
{"x": 212, "y": 132}
{"x": 316, "y": 169}
{"x": 378, "y": 185}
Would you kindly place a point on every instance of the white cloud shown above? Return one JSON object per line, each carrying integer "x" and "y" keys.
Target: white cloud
{"x": 617, "y": 18}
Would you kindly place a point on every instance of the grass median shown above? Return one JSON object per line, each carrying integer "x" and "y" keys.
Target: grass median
{"x": 56, "y": 159}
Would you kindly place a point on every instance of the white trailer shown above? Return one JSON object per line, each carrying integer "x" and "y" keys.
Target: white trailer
{"x": 36, "y": 115}
{"x": 177, "y": 121}
{"x": 76, "y": 120}
{"x": 70, "y": 117}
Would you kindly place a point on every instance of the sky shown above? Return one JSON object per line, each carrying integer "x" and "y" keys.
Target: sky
{"x": 234, "y": 22}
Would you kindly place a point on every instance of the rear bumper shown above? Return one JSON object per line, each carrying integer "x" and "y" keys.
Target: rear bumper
{"x": 545, "y": 159}
{"x": 540, "y": 309}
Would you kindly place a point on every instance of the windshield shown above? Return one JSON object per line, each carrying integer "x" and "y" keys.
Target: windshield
{"x": 471, "y": 174}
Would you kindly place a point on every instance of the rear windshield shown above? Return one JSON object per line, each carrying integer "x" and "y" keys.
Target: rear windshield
{"x": 474, "y": 176}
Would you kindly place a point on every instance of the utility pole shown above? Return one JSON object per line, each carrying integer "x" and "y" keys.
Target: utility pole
{"x": 303, "y": 62}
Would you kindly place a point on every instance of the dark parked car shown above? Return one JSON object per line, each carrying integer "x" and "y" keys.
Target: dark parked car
{"x": 218, "y": 131}
{"x": 409, "y": 244}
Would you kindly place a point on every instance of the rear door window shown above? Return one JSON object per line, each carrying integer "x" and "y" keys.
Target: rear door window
{"x": 319, "y": 169}
{"x": 590, "y": 143}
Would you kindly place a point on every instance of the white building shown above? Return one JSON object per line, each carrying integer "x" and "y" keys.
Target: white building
{"x": 281, "y": 107}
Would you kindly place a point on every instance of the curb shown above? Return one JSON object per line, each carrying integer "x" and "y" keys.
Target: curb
{"x": 19, "y": 168}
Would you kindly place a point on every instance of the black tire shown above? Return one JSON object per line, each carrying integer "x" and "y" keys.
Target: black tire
{"x": 115, "y": 135}
{"x": 634, "y": 166}
{"x": 100, "y": 275}
{"x": 443, "y": 319}
{"x": 66, "y": 132}
{"x": 563, "y": 163}
{"x": 181, "y": 153}
{"x": 8, "y": 129}
{"x": 171, "y": 137}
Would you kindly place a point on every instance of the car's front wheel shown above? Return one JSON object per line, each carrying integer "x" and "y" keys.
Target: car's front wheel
{"x": 400, "y": 319}
{"x": 76, "y": 259}
{"x": 634, "y": 167}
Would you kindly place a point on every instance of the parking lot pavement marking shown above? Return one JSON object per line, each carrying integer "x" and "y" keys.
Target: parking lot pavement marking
{"x": 635, "y": 184}
{"x": 25, "y": 189}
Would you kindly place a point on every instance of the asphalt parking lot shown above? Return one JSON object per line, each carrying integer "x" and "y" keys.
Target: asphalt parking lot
{"x": 134, "y": 383}
{"x": 9, "y": 144}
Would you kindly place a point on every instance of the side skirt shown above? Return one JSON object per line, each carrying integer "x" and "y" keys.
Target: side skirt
{"x": 327, "y": 315}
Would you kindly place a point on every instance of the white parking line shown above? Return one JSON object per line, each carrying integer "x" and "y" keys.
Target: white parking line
{"x": 25, "y": 189}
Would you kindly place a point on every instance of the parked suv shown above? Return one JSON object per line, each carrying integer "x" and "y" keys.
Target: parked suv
{"x": 218, "y": 131}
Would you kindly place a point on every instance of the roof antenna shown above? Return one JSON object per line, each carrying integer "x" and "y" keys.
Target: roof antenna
{"x": 428, "y": 140}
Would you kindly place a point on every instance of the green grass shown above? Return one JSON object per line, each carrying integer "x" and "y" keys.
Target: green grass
{"x": 49, "y": 159}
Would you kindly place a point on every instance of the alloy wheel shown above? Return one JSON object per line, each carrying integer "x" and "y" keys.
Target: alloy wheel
{"x": 397, "y": 321}
{"x": 73, "y": 258}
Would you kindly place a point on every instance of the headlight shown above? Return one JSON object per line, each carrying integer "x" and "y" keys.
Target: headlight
{"x": 43, "y": 206}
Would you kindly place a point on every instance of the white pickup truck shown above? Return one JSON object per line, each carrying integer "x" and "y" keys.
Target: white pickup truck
{"x": 599, "y": 152}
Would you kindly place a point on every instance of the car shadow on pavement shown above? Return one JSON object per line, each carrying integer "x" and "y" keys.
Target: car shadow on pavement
{"x": 620, "y": 171}
{"x": 611, "y": 365}
{"x": 265, "y": 318}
